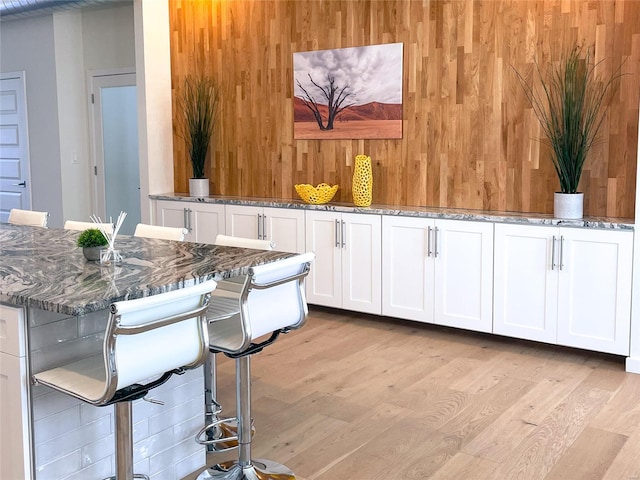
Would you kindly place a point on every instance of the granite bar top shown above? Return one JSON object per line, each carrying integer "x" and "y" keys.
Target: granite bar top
{"x": 409, "y": 211}
{"x": 43, "y": 268}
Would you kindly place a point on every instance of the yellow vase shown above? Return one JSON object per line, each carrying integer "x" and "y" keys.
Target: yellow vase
{"x": 362, "y": 181}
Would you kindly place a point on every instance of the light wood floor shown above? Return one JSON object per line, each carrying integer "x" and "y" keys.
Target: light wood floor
{"x": 356, "y": 397}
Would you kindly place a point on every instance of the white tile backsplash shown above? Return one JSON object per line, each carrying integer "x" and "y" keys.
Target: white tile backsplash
{"x": 75, "y": 440}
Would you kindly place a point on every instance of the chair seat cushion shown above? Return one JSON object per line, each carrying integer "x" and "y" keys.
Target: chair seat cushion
{"x": 84, "y": 379}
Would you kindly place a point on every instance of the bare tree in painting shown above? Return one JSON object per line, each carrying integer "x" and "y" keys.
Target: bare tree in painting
{"x": 335, "y": 96}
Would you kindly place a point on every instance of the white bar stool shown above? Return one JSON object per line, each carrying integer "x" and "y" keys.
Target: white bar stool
{"x": 220, "y": 435}
{"x": 146, "y": 341}
{"x": 272, "y": 301}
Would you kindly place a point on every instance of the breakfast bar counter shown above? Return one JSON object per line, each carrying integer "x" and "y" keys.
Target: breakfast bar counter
{"x": 53, "y": 308}
{"x": 43, "y": 268}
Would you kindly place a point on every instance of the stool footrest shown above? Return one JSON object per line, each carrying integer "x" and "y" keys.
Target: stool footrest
{"x": 223, "y": 435}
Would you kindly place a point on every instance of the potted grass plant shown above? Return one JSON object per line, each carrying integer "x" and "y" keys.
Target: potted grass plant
{"x": 199, "y": 105}
{"x": 570, "y": 102}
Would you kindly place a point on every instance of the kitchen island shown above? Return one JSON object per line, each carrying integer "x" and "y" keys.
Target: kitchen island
{"x": 53, "y": 308}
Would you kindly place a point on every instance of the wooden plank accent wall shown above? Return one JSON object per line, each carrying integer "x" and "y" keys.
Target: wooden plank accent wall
{"x": 470, "y": 139}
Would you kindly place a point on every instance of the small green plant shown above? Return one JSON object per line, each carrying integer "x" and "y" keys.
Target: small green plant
{"x": 91, "y": 237}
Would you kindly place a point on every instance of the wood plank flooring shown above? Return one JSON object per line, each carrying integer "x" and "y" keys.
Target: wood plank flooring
{"x": 358, "y": 397}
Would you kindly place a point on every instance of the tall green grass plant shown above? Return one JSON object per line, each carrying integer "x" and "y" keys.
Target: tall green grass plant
{"x": 199, "y": 105}
{"x": 570, "y": 103}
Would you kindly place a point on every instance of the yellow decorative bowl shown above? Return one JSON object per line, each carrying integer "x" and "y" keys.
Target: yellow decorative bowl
{"x": 323, "y": 193}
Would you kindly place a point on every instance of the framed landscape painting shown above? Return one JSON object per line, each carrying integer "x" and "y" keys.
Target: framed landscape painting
{"x": 348, "y": 93}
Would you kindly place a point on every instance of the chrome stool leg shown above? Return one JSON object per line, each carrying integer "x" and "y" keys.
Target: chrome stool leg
{"x": 245, "y": 468}
{"x": 218, "y": 434}
{"x": 124, "y": 443}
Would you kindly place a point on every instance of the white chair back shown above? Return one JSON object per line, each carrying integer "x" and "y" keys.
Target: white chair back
{"x": 160, "y": 232}
{"x": 228, "y": 241}
{"x": 275, "y": 295}
{"x": 28, "y": 217}
{"x": 81, "y": 226}
{"x": 145, "y": 338}
{"x": 157, "y": 334}
{"x": 272, "y": 299}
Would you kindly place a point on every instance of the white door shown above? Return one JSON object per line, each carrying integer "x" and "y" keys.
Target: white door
{"x": 206, "y": 221}
{"x": 285, "y": 228}
{"x": 324, "y": 282}
{"x": 15, "y": 182}
{"x": 362, "y": 262}
{"x": 244, "y": 221}
{"x": 15, "y": 437}
{"x": 463, "y": 260}
{"x": 407, "y": 269}
{"x": 594, "y": 301}
{"x": 115, "y": 148}
{"x": 525, "y": 282}
{"x": 175, "y": 214}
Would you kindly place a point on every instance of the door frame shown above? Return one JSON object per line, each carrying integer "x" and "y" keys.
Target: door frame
{"x": 95, "y": 134}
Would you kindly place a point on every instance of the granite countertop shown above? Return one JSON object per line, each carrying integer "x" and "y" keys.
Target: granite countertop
{"x": 409, "y": 211}
{"x": 43, "y": 268}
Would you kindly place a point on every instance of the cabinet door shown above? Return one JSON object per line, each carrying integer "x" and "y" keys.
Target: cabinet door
{"x": 463, "y": 261}
{"x": 525, "y": 282}
{"x": 173, "y": 214}
{"x": 15, "y": 458}
{"x": 324, "y": 282}
{"x": 244, "y": 221}
{"x": 594, "y": 295}
{"x": 407, "y": 269}
{"x": 362, "y": 263}
{"x": 285, "y": 228}
{"x": 15, "y": 444}
{"x": 206, "y": 220}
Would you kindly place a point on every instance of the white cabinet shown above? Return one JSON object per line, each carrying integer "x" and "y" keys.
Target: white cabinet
{"x": 438, "y": 271}
{"x": 284, "y": 227}
{"x": 347, "y": 270}
{"x": 204, "y": 221}
{"x": 568, "y": 286}
{"x": 15, "y": 437}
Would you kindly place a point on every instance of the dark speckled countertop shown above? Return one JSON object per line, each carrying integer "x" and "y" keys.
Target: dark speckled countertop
{"x": 43, "y": 268}
{"x": 409, "y": 211}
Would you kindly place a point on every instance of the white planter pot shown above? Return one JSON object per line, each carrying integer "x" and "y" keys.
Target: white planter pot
{"x": 198, "y": 187}
{"x": 568, "y": 205}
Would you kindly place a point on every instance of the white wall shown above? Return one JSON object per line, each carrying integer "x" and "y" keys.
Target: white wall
{"x": 108, "y": 37}
{"x": 28, "y": 45}
{"x": 155, "y": 123}
{"x": 72, "y": 116}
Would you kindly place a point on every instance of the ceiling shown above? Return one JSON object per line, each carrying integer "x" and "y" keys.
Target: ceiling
{"x": 15, "y": 9}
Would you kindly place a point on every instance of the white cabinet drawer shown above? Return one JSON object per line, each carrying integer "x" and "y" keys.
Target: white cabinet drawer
{"x": 12, "y": 330}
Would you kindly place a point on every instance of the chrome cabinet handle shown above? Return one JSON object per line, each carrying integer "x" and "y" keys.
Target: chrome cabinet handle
{"x": 337, "y": 233}
{"x": 343, "y": 234}
{"x": 264, "y": 227}
{"x": 429, "y": 241}
{"x": 553, "y": 253}
{"x": 22, "y": 184}
{"x": 435, "y": 242}
{"x": 561, "y": 251}
{"x": 186, "y": 212}
{"x": 259, "y": 236}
